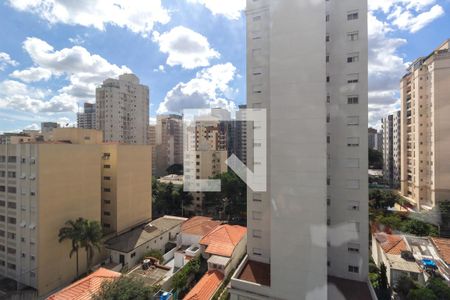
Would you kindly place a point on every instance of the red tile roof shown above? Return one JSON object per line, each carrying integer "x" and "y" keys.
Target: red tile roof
{"x": 86, "y": 287}
{"x": 443, "y": 247}
{"x": 199, "y": 226}
{"x": 206, "y": 287}
{"x": 223, "y": 239}
{"x": 392, "y": 244}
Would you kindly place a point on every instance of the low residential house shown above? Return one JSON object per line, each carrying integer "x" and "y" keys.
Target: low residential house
{"x": 194, "y": 229}
{"x": 130, "y": 247}
{"x": 394, "y": 252}
{"x": 224, "y": 247}
{"x": 442, "y": 247}
{"x": 206, "y": 287}
{"x": 86, "y": 287}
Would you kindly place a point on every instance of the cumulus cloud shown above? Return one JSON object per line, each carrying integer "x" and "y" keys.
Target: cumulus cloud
{"x": 230, "y": 9}
{"x": 6, "y": 60}
{"x": 185, "y": 47}
{"x": 406, "y": 20}
{"x": 138, "y": 16}
{"x": 32, "y": 74}
{"x": 83, "y": 69}
{"x": 18, "y": 96}
{"x": 209, "y": 89}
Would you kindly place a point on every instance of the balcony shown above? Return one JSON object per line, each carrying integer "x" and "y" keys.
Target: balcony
{"x": 251, "y": 277}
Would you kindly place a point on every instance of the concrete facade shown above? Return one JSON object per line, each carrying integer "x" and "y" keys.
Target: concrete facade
{"x": 425, "y": 138}
{"x": 391, "y": 148}
{"x": 122, "y": 110}
{"x": 87, "y": 118}
{"x": 169, "y": 142}
{"x": 313, "y": 83}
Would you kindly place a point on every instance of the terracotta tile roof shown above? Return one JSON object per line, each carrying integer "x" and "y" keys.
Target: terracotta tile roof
{"x": 206, "y": 287}
{"x": 223, "y": 239}
{"x": 390, "y": 243}
{"x": 84, "y": 288}
{"x": 199, "y": 226}
{"x": 443, "y": 247}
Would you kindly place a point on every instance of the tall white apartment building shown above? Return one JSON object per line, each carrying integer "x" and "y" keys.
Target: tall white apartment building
{"x": 391, "y": 148}
{"x": 307, "y": 66}
{"x": 425, "y": 137}
{"x": 86, "y": 119}
{"x": 122, "y": 110}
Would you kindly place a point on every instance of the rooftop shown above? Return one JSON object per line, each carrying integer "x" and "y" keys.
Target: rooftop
{"x": 206, "y": 287}
{"x": 391, "y": 244}
{"x": 256, "y": 272}
{"x": 142, "y": 234}
{"x": 84, "y": 288}
{"x": 398, "y": 263}
{"x": 348, "y": 289}
{"x": 199, "y": 226}
{"x": 223, "y": 239}
{"x": 443, "y": 248}
{"x": 151, "y": 276}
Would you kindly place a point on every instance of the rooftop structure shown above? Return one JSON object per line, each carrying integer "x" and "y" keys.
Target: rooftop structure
{"x": 206, "y": 287}
{"x": 86, "y": 287}
{"x": 223, "y": 240}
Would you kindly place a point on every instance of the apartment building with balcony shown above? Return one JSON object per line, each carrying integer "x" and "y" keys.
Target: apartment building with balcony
{"x": 122, "y": 110}
{"x": 169, "y": 142}
{"x": 42, "y": 186}
{"x": 307, "y": 66}
{"x": 425, "y": 127}
{"x": 391, "y": 148}
{"x": 70, "y": 175}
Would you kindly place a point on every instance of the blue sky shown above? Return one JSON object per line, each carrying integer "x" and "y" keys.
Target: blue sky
{"x": 190, "y": 52}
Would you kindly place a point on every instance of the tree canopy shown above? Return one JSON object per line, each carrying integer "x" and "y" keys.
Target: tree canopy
{"x": 169, "y": 198}
{"x": 125, "y": 288}
{"x": 375, "y": 159}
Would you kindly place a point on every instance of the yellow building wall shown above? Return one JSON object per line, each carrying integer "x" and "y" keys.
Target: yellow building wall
{"x": 68, "y": 188}
{"x": 76, "y": 135}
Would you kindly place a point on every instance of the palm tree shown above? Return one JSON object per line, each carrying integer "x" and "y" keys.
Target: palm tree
{"x": 72, "y": 231}
{"x": 91, "y": 239}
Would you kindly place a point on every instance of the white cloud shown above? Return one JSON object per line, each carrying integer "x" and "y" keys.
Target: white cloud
{"x": 6, "y": 60}
{"x": 18, "y": 96}
{"x": 209, "y": 88}
{"x": 83, "y": 69}
{"x": 230, "y": 9}
{"x": 32, "y": 74}
{"x": 407, "y": 20}
{"x": 139, "y": 16}
{"x": 185, "y": 47}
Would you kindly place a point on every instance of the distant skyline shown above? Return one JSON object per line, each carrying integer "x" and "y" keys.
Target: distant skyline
{"x": 189, "y": 52}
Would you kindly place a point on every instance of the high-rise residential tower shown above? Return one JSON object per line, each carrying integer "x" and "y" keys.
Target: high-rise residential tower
{"x": 307, "y": 66}
{"x": 122, "y": 110}
{"x": 86, "y": 119}
{"x": 425, "y": 129}
{"x": 391, "y": 149}
{"x": 46, "y": 127}
{"x": 169, "y": 142}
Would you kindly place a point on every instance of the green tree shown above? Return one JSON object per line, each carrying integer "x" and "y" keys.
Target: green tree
{"x": 418, "y": 227}
{"x": 176, "y": 169}
{"x": 439, "y": 288}
{"x": 383, "y": 288}
{"x": 403, "y": 286}
{"x": 422, "y": 294}
{"x": 231, "y": 200}
{"x": 156, "y": 254}
{"x": 375, "y": 159}
{"x": 392, "y": 220}
{"x": 73, "y": 231}
{"x": 168, "y": 199}
{"x": 125, "y": 288}
{"x": 91, "y": 239}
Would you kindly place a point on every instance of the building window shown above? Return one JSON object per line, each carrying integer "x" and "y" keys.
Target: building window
{"x": 353, "y": 141}
{"x": 257, "y": 233}
{"x": 12, "y": 205}
{"x": 353, "y": 269}
{"x": 107, "y": 166}
{"x": 353, "y": 78}
{"x": 106, "y": 213}
{"x": 106, "y": 178}
{"x": 11, "y": 251}
{"x": 133, "y": 254}
{"x": 12, "y": 159}
{"x": 11, "y": 220}
{"x": 12, "y": 189}
{"x": 353, "y": 120}
{"x": 353, "y": 36}
{"x": 257, "y": 215}
{"x": 11, "y": 266}
{"x": 352, "y": 15}
{"x": 352, "y": 100}
{"x": 11, "y": 174}
{"x": 107, "y": 201}
{"x": 353, "y": 248}
{"x": 257, "y": 251}
{"x": 352, "y": 58}
{"x": 11, "y": 236}
{"x": 107, "y": 190}
{"x": 353, "y": 205}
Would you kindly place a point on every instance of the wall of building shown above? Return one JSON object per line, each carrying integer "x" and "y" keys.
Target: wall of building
{"x": 68, "y": 187}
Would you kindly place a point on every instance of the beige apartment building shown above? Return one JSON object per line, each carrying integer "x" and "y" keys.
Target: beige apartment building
{"x": 425, "y": 130}
{"x": 391, "y": 148}
{"x": 43, "y": 185}
{"x": 169, "y": 142}
{"x": 151, "y": 139}
{"x": 122, "y": 110}
{"x": 308, "y": 232}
